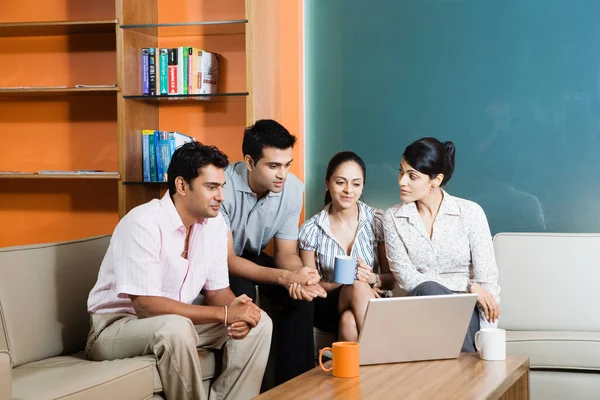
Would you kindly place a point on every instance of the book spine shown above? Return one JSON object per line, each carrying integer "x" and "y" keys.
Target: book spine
{"x": 145, "y": 70}
{"x": 186, "y": 68}
{"x": 180, "y": 71}
{"x": 172, "y": 143}
{"x": 173, "y": 71}
{"x": 152, "y": 70}
{"x": 152, "y": 156}
{"x": 146, "y": 155}
{"x": 165, "y": 154}
{"x": 197, "y": 84}
{"x": 190, "y": 70}
{"x": 164, "y": 71}
{"x": 159, "y": 164}
{"x": 157, "y": 71}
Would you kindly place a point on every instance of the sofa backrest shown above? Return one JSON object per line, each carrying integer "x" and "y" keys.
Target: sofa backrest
{"x": 549, "y": 281}
{"x": 43, "y": 297}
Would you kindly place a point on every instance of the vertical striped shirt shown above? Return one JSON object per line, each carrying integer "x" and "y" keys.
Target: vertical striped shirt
{"x": 144, "y": 258}
{"x": 315, "y": 235}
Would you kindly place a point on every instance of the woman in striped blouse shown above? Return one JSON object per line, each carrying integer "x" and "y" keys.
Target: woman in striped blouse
{"x": 346, "y": 226}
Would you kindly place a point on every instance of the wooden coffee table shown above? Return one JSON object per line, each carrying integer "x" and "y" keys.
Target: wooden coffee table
{"x": 467, "y": 377}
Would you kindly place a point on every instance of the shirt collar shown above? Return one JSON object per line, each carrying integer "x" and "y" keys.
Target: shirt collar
{"x": 240, "y": 178}
{"x": 323, "y": 220}
{"x": 173, "y": 217}
{"x": 449, "y": 206}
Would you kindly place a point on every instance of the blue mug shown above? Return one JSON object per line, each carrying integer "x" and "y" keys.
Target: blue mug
{"x": 344, "y": 270}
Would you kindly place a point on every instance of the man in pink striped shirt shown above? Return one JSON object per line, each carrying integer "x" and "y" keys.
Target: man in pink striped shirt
{"x": 161, "y": 256}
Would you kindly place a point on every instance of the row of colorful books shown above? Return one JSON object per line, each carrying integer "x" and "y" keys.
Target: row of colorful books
{"x": 180, "y": 70}
{"x": 157, "y": 149}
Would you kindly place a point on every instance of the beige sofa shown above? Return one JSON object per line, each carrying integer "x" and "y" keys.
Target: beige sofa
{"x": 550, "y": 308}
{"x": 44, "y": 325}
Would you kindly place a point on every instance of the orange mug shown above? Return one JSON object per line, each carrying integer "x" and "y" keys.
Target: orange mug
{"x": 346, "y": 359}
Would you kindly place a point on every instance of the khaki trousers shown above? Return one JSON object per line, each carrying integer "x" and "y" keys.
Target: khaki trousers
{"x": 173, "y": 340}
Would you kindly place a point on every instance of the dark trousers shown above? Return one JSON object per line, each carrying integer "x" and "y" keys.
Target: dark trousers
{"x": 293, "y": 342}
{"x": 431, "y": 288}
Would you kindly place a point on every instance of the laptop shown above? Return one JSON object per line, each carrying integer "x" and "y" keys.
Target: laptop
{"x": 415, "y": 328}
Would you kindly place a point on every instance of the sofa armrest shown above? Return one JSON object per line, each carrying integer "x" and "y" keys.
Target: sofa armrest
{"x": 5, "y": 376}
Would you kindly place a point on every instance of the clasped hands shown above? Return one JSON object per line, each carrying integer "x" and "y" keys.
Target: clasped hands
{"x": 243, "y": 315}
{"x": 304, "y": 284}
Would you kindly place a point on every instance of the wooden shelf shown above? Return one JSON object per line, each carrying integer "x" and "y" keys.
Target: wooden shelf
{"x": 55, "y": 28}
{"x": 57, "y": 176}
{"x": 232, "y": 27}
{"x": 189, "y": 97}
{"x": 144, "y": 183}
{"x": 47, "y": 91}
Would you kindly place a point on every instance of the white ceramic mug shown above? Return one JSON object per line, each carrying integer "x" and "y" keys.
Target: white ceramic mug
{"x": 491, "y": 344}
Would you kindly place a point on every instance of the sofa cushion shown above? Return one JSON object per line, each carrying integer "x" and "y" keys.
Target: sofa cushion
{"x": 549, "y": 281}
{"x": 74, "y": 377}
{"x": 559, "y": 385}
{"x": 556, "y": 350}
{"x": 43, "y": 297}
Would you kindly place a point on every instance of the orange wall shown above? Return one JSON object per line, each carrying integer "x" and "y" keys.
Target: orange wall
{"x": 68, "y": 133}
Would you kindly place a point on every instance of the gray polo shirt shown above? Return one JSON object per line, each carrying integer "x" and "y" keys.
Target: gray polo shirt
{"x": 255, "y": 222}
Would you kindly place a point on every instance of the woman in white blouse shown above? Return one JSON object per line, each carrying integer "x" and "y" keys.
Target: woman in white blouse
{"x": 437, "y": 243}
{"x": 346, "y": 226}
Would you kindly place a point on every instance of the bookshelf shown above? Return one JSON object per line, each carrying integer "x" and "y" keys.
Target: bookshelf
{"x": 47, "y": 123}
{"x": 55, "y": 125}
{"x": 217, "y": 119}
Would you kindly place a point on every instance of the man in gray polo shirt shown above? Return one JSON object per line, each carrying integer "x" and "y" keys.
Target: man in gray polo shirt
{"x": 263, "y": 201}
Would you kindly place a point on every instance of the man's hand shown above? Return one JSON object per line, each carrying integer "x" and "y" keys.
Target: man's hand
{"x": 238, "y": 330}
{"x": 488, "y": 304}
{"x": 305, "y": 276}
{"x": 242, "y": 309}
{"x": 308, "y": 293}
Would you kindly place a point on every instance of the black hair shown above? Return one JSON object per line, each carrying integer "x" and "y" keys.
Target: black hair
{"x": 189, "y": 158}
{"x": 265, "y": 133}
{"x": 339, "y": 159}
{"x": 432, "y": 157}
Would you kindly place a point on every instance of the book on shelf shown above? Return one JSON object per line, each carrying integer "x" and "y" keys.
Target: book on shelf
{"x": 183, "y": 70}
{"x": 157, "y": 149}
{"x": 152, "y": 71}
{"x": 145, "y": 72}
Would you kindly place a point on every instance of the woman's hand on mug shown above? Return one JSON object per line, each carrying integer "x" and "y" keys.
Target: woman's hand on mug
{"x": 364, "y": 271}
{"x": 488, "y": 303}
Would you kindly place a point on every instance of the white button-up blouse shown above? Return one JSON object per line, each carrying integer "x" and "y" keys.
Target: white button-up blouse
{"x": 460, "y": 248}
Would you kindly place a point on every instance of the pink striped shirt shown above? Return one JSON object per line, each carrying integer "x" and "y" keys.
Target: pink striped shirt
{"x": 144, "y": 258}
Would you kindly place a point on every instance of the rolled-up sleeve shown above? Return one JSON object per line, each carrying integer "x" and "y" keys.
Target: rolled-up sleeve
{"x": 484, "y": 268}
